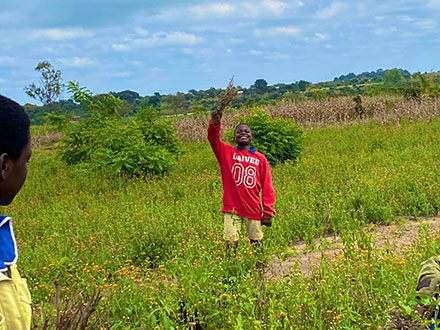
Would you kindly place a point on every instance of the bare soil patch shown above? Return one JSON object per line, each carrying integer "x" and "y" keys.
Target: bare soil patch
{"x": 397, "y": 237}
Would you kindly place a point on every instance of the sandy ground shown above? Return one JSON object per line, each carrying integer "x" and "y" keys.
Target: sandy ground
{"x": 397, "y": 236}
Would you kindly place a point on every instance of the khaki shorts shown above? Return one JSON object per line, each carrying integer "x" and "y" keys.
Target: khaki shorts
{"x": 233, "y": 223}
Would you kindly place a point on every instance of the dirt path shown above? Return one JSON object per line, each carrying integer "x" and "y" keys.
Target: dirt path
{"x": 399, "y": 236}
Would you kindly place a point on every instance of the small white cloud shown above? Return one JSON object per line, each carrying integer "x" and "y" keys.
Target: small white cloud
{"x": 61, "y": 34}
{"x": 213, "y": 10}
{"x": 119, "y": 74}
{"x": 280, "y": 30}
{"x": 322, "y": 36}
{"x": 121, "y": 47}
{"x": 434, "y": 4}
{"x": 158, "y": 39}
{"x": 2, "y": 81}
{"x": 427, "y": 24}
{"x": 274, "y": 6}
{"x": 136, "y": 63}
{"x": 276, "y": 56}
{"x": 142, "y": 32}
{"x": 381, "y": 31}
{"x": 406, "y": 18}
{"x": 329, "y": 12}
{"x": 77, "y": 62}
{"x": 237, "y": 41}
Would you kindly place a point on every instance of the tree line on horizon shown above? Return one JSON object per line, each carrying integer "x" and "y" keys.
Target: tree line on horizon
{"x": 396, "y": 81}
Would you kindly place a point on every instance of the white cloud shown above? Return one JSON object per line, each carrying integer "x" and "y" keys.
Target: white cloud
{"x": 2, "y": 81}
{"x": 435, "y": 4}
{"x": 121, "y": 47}
{"x": 77, "y": 62}
{"x": 322, "y": 36}
{"x": 229, "y": 9}
{"x": 275, "y": 6}
{"x": 381, "y": 31}
{"x": 213, "y": 10}
{"x": 158, "y": 39}
{"x": 142, "y": 32}
{"x": 280, "y": 30}
{"x": 118, "y": 74}
{"x": 276, "y": 56}
{"x": 406, "y": 18}
{"x": 61, "y": 34}
{"x": 329, "y": 12}
{"x": 427, "y": 24}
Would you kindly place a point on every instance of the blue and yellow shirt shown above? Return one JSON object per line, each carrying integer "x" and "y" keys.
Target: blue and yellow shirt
{"x": 15, "y": 299}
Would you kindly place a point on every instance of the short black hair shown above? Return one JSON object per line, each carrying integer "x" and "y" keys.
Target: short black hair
{"x": 236, "y": 127}
{"x": 14, "y": 128}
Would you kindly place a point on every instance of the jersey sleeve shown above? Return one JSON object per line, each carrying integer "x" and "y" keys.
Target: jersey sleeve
{"x": 217, "y": 145}
{"x": 267, "y": 191}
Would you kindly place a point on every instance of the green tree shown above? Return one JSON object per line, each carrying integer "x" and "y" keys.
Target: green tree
{"x": 302, "y": 85}
{"x": 173, "y": 103}
{"x": 50, "y": 85}
{"x": 392, "y": 78}
{"x": 261, "y": 86}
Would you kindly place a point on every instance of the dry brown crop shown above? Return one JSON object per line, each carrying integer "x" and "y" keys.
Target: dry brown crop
{"x": 322, "y": 113}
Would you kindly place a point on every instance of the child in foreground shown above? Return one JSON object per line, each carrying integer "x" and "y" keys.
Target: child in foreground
{"x": 15, "y": 151}
{"x": 245, "y": 174}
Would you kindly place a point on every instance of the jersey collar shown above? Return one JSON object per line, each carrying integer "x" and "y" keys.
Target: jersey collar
{"x": 251, "y": 150}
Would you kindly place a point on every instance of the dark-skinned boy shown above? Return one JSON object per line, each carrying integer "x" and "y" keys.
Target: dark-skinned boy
{"x": 245, "y": 175}
{"x": 15, "y": 151}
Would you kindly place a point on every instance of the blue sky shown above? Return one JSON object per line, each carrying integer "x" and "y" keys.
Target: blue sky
{"x": 175, "y": 45}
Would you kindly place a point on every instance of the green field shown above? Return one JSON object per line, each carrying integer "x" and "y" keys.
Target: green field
{"x": 154, "y": 244}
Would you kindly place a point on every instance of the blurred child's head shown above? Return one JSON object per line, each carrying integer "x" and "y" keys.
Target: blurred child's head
{"x": 15, "y": 149}
{"x": 243, "y": 135}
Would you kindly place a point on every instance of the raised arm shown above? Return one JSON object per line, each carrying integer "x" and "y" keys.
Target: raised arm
{"x": 214, "y": 130}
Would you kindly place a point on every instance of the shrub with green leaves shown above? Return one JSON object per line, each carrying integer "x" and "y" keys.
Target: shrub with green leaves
{"x": 278, "y": 139}
{"x": 105, "y": 142}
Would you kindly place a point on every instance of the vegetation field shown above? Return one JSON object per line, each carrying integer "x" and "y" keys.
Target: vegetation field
{"x": 154, "y": 244}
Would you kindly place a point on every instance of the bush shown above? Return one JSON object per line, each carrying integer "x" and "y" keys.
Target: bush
{"x": 105, "y": 142}
{"x": 278, "y": 139}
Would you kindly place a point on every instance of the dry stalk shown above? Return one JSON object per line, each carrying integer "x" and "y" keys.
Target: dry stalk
{"x": 76, "y": 313}
{"x": 230, "y": 93}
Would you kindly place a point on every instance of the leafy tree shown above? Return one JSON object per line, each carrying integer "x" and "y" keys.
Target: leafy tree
{"x": 104, "y": 142}
{"x": 50, "y": 84}
{"x": 261, "y": 86}
{"x": 173, "y": 103}
{"x": 127, "y": 95}
{"x": 392, "y": 78}
{"x": 302, "y": 85}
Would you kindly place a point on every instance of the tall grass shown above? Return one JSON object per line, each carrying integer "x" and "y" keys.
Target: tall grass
{"x": 154, "y": 248}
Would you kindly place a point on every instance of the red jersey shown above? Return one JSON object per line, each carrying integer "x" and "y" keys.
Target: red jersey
{"x": 244, "y": 175}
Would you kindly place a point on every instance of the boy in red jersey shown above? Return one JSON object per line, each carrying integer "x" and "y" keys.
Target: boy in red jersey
{"x": 245, "y": 174}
